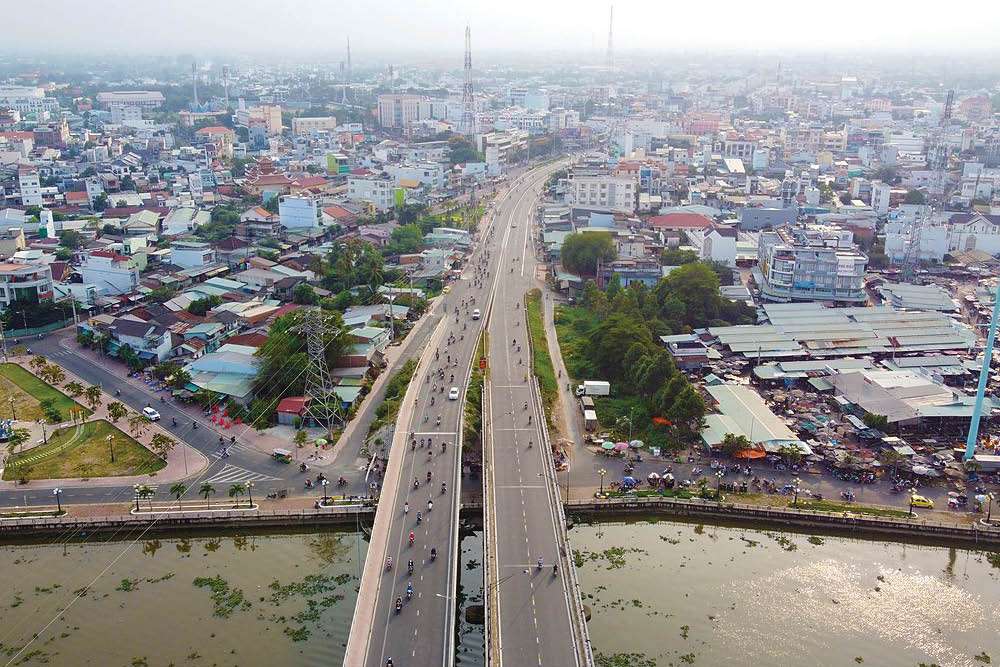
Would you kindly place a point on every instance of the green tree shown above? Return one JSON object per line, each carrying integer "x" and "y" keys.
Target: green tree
{"x": 205, "y": 491}
{"x": 696, "y": 287}
{"x": 38, "y": 363}
{"x": 70, "y": 239}
{"x": 203, "y": 305}
{"x": 405, "y": 239}
{"x": 100, "y": 202}
{"x": 17, "y": 437}
{"x": 177, "y": 491}
{"x": 162, "y": 445}
{"x": 880, "y": 422}
{"x": 93, "y": 396}
{"x": 138, "y": 423}
{"x": 74, "y": 388}
{"x": 162, "y": 294}
{"x": 731, "y": 443}
{"x": 677, "y": 257}
{"x": 304, "y": 294}
{"x": 581, "y": 252}
{"x": 915, "y": 197}
{"x": 145, "y": 492}
{"x": 116, "y": 410}
{"x": 300, "y": 438}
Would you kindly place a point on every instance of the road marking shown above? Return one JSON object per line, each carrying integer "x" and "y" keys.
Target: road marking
{"x": 231, "y": 473}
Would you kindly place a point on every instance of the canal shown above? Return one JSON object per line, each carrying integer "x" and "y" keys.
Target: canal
{"x": 671, "y": 593}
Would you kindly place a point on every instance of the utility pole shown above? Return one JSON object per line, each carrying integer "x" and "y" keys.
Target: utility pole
{"x": 468, "y": 101}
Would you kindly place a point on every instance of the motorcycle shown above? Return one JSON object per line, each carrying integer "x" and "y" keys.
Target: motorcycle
{"x": 444, "y": 488}
{"x": 399, "y": 604}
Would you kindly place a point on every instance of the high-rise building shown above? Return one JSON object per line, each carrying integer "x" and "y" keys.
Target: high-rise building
{"x": 811, "y": 263}
{"x": 30, "y": 186}
{"x": 396, "y": 111}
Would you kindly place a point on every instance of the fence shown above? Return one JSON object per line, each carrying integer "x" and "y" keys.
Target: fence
{"x": 34, "y": 331}
{"x": 976, "y": 533}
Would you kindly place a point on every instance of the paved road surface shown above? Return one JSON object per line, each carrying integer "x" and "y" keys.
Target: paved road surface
{"x": 534, "y": 609}
{"x": 422, "y": 632}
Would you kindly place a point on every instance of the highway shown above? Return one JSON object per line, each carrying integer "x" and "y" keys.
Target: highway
{"x": 532, "y": 607}
{"x": 422, "y": 632}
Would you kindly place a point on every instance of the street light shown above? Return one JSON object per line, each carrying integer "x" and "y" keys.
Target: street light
{"x": 13, "y": 416}
{"x": 718, "y": 487}
{"x": 135, "y": 488}
{"x": 250, "y": 492}
{"x": 989, "y": 507}
{"x": 602, "y": 472}
{"x": 324, "y": 482}
{"x": 795, "y": 488}
{"x": 111, "y": 446}
{"x": 57, "y": 493}
{"x": 912, "y": 492}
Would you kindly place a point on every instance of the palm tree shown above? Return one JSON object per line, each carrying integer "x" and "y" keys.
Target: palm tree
{"x": 205, "y": 491}
{"x": 177, "y": 491}
{"x": 38, "y": 362}
{"x": 74, "y": 388}
{"x": 137, "y": 424}
{"x": 146, "y": 492}
{"x": 235, "y": 491}
{"x": 116, "y": 410}
{"x": 161, "y": 445}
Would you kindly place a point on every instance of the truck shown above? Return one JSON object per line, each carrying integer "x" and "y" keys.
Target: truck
{"x": 593, "y": 388}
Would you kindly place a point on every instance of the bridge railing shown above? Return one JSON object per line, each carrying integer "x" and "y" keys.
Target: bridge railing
{"x": 578, "y": 622}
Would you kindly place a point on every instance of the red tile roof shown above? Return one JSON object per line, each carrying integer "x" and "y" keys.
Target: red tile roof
{"x": 250, "y": 339}
{"x": 214, "y": 129}
{"x": 272, "y": 179}
{"x": 293, "y": 404}
{"x": 77, "y": 196}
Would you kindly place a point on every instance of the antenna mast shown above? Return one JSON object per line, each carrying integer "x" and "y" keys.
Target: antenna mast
{"x": 468, "y": 101}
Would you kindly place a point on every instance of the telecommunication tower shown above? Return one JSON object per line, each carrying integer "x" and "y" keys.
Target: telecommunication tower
{"x": 347, "y": 80}
{"x": 194, "y": 83}
{"x": 225, "y": 83}
{"x": 611, "y": 40}
{"x": 468, "y": 101}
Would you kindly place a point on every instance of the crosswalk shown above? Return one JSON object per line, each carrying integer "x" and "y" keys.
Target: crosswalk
{"x": 238, "y": 447}
{"x": 231, "y": 473}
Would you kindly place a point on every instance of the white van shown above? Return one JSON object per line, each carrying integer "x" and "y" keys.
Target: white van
{"x": 475, "y": 314}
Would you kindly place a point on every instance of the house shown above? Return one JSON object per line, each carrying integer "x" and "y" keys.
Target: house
{"x": 144, "y": 222}
{"x": 679, "y": 222}
{"x": 716, "y": 243}
{"x": 268, "y": 186}
{"x": 184, "y": 219}
{"x": 151, "y": 341}
{"x": 292, "y": 408}
{"x": 688, "y": 351}
{"x": 233, "y": 251}
{"x": 24, "y": 282}
{"x": 110, "y": 272}
{"x": 338, "y": 215}
{"x": 258, "y": 222}
{"x": 230, "y": 371}
{"x": 191, "y": 254}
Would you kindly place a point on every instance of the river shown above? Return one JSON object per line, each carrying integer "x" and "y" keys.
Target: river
{"x": 669, "y": 593}
{"x": 264, "y": 599}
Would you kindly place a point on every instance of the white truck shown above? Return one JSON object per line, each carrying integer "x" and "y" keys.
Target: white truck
{"x": 593, "y": 388}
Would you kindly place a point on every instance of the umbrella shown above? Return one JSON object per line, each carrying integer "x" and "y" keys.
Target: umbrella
{"x": 628, "y": 480}
{"x": 653, "y": 475}
{"x": 621, "y": 446}
{"x": 635, "y": 444}
{"x": 607, "y": 445}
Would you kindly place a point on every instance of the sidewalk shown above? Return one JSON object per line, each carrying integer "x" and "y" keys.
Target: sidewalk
{"x": 182, "y": 461}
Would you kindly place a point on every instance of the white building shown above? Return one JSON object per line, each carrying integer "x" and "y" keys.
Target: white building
{"x": 191, "y": 254}
{"x": 110, "y": 272}
{"x": 618, "y": 193}
{"x": 430, "y": 174}
{"x": 880, "y": 197}
{"x": 812, "y": 263}
{"x": 29, "y": 185}
{"x": 375, "y": 190}
{"x": 398, "y": 111}
{"x": 128, "y": 105}
{"x": 24, "y": 282}
{"x": 716, "y": 243}
{"x": 302, "y": 126}
{"x": 26, "y": 100}
{"x": 974, "y": 231}
{"x": 298, "y": 212}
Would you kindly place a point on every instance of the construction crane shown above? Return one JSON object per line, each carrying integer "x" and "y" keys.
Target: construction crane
{"x": 977, "y": 411}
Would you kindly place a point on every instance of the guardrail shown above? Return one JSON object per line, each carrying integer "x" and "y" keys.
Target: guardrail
{"x": 578, "y": 621}
{"x": 10, "y": 528}
{"x": 490, "y": 573}
{"x": 976, "y": 533}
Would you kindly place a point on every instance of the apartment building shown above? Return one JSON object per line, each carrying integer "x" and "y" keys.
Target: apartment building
{"x": 618, "y": 193}
{"x": 397, "y": 111}
{"x": 29, "y": 185}
{"x": 110, "y": 272}
{"x": 301, "y": 126}
{"x": 810, "y": 263}
{"x": 298, "y": 212}
{"x": 426, "y": 173}
{"x": 24, "y": 282}
{"x": 191, "y": 254}
{"x": 377, "y": 191}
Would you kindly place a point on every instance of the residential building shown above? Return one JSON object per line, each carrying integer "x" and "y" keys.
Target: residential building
{"x": 716, "y": 243}
{"x": 298, "y": 212}
{"x": 612, "y": 192}
{"x": 27, "y": 100}
{"x": 24, "y": 282}
{"x": 302, "y": 126}
{"x": 396, "y": 111}
{"x": 191, "y": 254}
{"x": 258, "y": 222}
{"x": 110, "y": 272}
{"x": 880, "y": 197}
{"x": 151, "y": 341}
{"x": 430, "y": 174}
{"x": 378, "y": 191}
{"x": 29, "y": 185}
{"x": 810, "y": 263}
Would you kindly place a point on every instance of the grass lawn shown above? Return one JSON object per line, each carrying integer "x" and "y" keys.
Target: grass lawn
{"x": 28, "y": 391}
{"x": 541, "y": 362}
{"x": 83, "y": 452}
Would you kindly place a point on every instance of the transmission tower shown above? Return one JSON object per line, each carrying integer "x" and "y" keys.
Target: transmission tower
{"x": 194, "y": 84}
{"x": 323, "y": 404}
{"x": 225, "y": 84}
{"x": 468, "y": 102}
{"x": 611, "y": 41}
{"x": 347, "y": 81}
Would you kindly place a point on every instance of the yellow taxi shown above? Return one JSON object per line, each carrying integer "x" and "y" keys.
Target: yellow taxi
{"x": 920, "y": 501}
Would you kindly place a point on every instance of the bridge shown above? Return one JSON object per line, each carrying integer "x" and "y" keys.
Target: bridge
{"x": 423, "y": 631}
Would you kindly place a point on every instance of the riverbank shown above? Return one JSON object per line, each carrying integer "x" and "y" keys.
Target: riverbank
{"x": 841, "y": 523}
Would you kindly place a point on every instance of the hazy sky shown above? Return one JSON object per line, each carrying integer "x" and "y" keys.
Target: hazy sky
{"x": 436, "y": 26}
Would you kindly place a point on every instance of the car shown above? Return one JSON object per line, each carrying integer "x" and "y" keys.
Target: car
{"x": 151, "y": 414}
{"x": 920, "y": 501}
{"x": 453, "y": 394}
{"x": 476, "y": 314}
